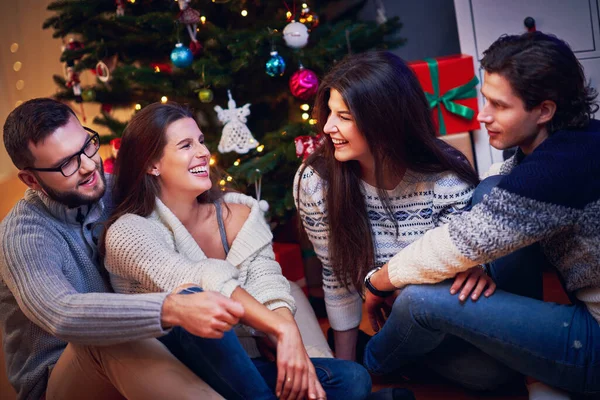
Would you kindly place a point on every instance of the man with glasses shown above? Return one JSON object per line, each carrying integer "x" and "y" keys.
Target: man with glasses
{"x": 65, "y": 334}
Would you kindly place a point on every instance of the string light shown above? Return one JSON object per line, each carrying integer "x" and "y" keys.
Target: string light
{"x": 229, "y": 179}
{"x": 244, "y": 13}
{"x": 20, "y": 84}
{"x": 283, "y": 133}
{"x": 305, "y": 107}
{"x": 164, "y": 99}
{"x": 260, "y": 148}
{"x": 288, "y": 15}
{"x": 237, "y": 162}
{"x": 17, "y": 66}
{"x": 18, "y": 103}
{"x": 14, "y": 47}
{"x": 312, "y": 121}
{"x": 203, "y": 19}
{"x": 156, "y": 68}
{"x": 305, "y": 116}
{"x": 213, "y": 160}
{"x": 131, "y": 1}
{"x": 304, "y": 5}
{"x": 222, "y": 182}
{"x": 138, "y": 107}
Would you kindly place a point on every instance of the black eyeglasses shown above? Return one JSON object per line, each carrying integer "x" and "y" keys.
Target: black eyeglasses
{"x": 73, "y": 163}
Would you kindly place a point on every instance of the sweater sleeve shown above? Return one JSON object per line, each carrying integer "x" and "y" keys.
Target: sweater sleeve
{"x": 32, "y": 257}
{"x": 451, "y": 196}
{"x": 140, "y": 259}
{"x": 344, "y": 306}
{"x": 519, "y": 212}
{"x": 264, "y": 280}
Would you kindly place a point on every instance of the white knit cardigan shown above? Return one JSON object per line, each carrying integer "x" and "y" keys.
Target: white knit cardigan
{"x": 157, "y": 254}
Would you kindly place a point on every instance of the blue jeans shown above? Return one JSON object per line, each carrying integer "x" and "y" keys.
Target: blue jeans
{"x": 225, "y": 366}
{"x": 556, "y": 344}
{"x": 503, "y": 325}
{"x": 340, "y": 379}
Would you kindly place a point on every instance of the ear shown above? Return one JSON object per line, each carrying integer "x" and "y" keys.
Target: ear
{"x": 153, "y": 170}
{"x": 28, "y": 178}
{"x": 547, "y": 111}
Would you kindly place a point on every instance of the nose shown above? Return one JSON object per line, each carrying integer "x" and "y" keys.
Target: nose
{"x": 87, "y": 163}
{"x": 330, "y": 126}
{"x": 484, "y": 115}
{"x": 202, "y": 151}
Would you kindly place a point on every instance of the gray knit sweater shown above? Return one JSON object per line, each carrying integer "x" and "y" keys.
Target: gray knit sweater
{"x": 552, "y": 197}
{"x": 53, "y": 290}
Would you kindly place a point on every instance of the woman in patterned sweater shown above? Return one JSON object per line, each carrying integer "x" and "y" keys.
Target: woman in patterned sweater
{"x": 378, "y": 182}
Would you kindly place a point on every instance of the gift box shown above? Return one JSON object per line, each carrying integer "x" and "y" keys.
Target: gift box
{"x": 289, "y": 256}
{"x": 450, "y": 87}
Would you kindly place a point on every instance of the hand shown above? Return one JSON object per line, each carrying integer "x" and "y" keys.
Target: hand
{"x": 206, "y": 314}
{"x": 473, "y": 281}
{"x": 378, "y": 308}
{"x": 296, "y": 376}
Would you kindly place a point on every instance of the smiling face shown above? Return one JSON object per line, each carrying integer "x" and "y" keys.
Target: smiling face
{"x": 508, "y": 123}
{"x": 184, "y": 165}
{"x": 87, "y": 185}
{"x": 348, "y": 141}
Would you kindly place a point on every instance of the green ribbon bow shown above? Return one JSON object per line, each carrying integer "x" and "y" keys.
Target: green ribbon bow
{"x": 465, "y": 91}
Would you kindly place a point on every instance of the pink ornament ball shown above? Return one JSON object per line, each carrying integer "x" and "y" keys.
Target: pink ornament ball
{"x": 304, "y": 84}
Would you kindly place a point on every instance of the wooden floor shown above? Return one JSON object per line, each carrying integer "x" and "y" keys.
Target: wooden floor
{"x": 12, "y": 190}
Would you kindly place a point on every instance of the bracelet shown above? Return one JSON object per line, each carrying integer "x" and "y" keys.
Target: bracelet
{"x": 373, "y": 289}
{"x": 484, "y": 267}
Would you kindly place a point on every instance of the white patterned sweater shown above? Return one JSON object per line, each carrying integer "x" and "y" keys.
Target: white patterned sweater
{"x": 419, "y": 203}
{"x": 157, "y": 254}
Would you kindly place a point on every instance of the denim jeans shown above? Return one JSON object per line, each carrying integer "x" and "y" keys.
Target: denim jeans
{"x": 340, "y": 379}
{"x": 225, "y": 366}
{"x": 556, "y": 344}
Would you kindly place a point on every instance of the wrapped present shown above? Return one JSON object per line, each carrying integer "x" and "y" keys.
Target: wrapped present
{"x": 289, "y": 256}
{"x": 450, "y": 87}
{"x": 306, "y": 145}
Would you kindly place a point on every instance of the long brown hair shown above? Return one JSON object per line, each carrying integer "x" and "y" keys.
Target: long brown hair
{"x": 389, "y": 108}
{"x": 143, "y": 144}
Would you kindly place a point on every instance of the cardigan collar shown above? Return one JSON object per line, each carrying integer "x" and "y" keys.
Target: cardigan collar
{"x": 248, "y": 241}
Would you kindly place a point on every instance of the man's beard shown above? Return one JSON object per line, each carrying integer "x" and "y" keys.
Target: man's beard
{"x": 72, "y": 198}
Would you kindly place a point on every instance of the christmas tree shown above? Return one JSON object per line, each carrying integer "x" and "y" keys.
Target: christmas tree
{"x": 198, "y": 53}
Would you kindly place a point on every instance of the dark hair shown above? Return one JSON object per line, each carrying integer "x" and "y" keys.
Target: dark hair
{"x": 142, "y": 144}
{"x": 389, "y": 108}
{"x": 542, "y": 67}
{"x": 32, "y": 121}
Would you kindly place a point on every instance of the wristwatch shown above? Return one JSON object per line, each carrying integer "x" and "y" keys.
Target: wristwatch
{"x": 372, "y": 289}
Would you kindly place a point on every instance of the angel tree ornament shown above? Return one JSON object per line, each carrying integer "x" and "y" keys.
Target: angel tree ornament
{"x": 236, "y": 136}
{"x": 190, "y": 18}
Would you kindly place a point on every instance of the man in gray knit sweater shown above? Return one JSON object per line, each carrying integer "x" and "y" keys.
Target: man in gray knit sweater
{"x": 66, "y": 335}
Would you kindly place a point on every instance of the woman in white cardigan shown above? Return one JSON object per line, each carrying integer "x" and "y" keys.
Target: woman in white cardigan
{"x": 172, "y": 229}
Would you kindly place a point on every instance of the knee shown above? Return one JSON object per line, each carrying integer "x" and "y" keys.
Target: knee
{"x": 484, "y": 188}
{"x": 348, "y": 379}
{"x": 357, "y": 378}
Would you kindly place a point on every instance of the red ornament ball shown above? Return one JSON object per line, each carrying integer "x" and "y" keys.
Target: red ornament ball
{"x": 106, "y": 108}
{"x": 304, "y": 84}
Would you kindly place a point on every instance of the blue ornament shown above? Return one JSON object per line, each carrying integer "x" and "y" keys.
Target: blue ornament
{"x": 276, "y": 65}
{"x": 181, "y": 56}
